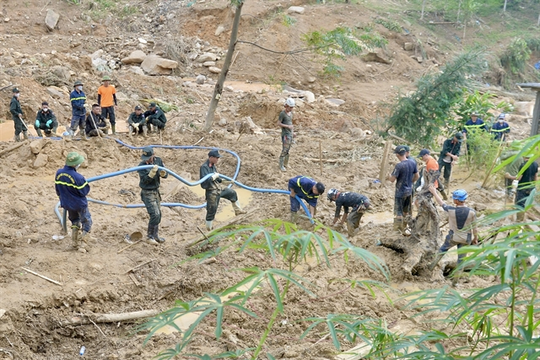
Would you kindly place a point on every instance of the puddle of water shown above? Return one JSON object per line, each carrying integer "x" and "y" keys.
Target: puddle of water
{"x": 225, "y": 211}
{"x": 385, "y": 217}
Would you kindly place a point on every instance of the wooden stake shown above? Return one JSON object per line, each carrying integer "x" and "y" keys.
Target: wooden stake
{"x": 127, "y": 247}
{"x": 140, "y": 265}
{"x": 201, "y": 139}
{"x": 320, "y": 156}
{"x": 41, "y": 276}
{"x": 111, "y": 318}
{"x": 384, "y": 161}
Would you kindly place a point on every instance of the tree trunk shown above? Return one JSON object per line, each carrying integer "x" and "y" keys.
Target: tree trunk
{"x": 458, "y": 11}
{"x": 423, "y": 6}
{"x": 504, "y": 8}
{"x": 219, "y": 85}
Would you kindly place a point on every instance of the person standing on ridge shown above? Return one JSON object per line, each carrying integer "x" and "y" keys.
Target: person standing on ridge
{"x": 16, "y": 115}
{"x": 107, "y": 100}
{"x": 286, "y": 125}
{"x": 78, "y": 110}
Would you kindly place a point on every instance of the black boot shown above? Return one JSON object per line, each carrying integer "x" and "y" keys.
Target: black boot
{"x": 156, "y": 235}
{"x": 150, "y": 235}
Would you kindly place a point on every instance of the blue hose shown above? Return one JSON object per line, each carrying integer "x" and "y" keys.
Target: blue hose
{"x": 132, "y": 206}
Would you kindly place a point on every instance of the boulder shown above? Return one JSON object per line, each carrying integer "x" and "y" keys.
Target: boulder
{"x": 56, "y": 92}
{"x": 41, "y": 160}
{"x": 51, "y": 19}
{"x": 136, "y": 70}
{"x": 296, "y": 9}
{"x": 408, "y": 46}
{"x": 334, "y": 102}
{"x": 136, "y": 57}
{"x": 220, "y": 29}
{"x": 36, "y": 146}
{"x": 524, "y": 108}
{"x": 373, "y": 56}
{"x": 309, "y": 96}
{"x": 200, "y": 79}
{"x": 214, "y": 70}
{"x": 156, "y": 65}
{"x": 61, "y": 72}
{"x": 209, "y": 63}
{"x": 207, "y": 57}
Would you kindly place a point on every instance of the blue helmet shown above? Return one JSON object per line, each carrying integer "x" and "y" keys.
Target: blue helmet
{"x": 460, "y": 195}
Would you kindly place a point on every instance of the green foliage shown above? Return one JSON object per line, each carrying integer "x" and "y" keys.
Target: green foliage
{"x": 341, "y": 42}
{"x": 421, "y": 116}
{"x": 533, "y": 44}
{"x": 481, "y": 103}
{"x": 389, "y": 24}
{"x": 515, "y": 57}
{"x": 483, "y": 149}
{"x": 288, "y": 20}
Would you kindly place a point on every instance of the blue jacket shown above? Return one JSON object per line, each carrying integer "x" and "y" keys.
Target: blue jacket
{"x": 499, "y": 129}
{"x": 303, "y": 187}
{"x": 72, "y": 188}
{"x": 470, "y": 125}
{"x": 77, "y": 103}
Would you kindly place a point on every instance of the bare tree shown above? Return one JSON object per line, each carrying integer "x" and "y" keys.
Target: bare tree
{"x": 218, "y": 89}
{"x": 504, "y": 8}
{"x": 423, "y": 7}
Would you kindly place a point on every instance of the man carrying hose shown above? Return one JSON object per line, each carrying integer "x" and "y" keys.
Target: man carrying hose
{"x": 149, "y": 181}
{"x": 72, "y": 189}
{"x": 214, "y": 189}
{"x": 16, "y": 115}
{"x": 306, "y": 188}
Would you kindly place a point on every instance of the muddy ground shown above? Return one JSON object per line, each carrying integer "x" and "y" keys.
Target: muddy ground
{"x": 35, "y": 314}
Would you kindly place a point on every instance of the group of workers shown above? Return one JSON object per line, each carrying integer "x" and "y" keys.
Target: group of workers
{"x": 95, "y": 122}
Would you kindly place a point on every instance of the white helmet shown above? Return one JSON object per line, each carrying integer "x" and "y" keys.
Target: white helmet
{"x": 290, "y": 102}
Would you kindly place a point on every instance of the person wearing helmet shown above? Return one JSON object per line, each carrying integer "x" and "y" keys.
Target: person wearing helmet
{"x": 449, "y": 156}
{"x": 72, "y": 189}
{"x": 500, "y": 128}
{"x": 107, "y": 101}
{"x": 78, "y": 111}
{"x": 286, "y": 125}
{"x": 404, "y": 175}
{"x": 460, "y": 221}
{"x": 358, "y": 202}
{"x": 306, "y": 188}
{"x": 137, "y": 122}
{"x": 526, "y": 184}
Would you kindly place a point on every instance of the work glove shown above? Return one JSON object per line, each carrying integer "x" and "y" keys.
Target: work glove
{"x": 37, "y": 123}
{"x": 49, "y": 123}
{"x": 215, "y": 176}
{"x": 226, "y": 182}
{"x": 153, "y": 171}
{"x": 162, "y": 173}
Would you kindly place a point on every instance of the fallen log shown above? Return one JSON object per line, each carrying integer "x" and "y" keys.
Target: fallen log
{"x": 10, "y": 149}
{"x": 84, "y": 319}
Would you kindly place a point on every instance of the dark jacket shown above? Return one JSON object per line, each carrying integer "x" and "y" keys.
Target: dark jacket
{"x": 449, "y": 147}
{"x": 209, "y": 184}
{"x": 478, "y": 125}
{"x": 43, "y": 117}
{"x": 98, "y": 119}
{"x": 157, "y": 114}
{"x": 78, "y": 99}
{"x": 15, "y": 107}
{"x": 72, "y": 188}
{"x": 303, "y": 187}
{"x": 145, "y": 181}
{"x": 349, "y": 199}
{"x": 136, "y": 119}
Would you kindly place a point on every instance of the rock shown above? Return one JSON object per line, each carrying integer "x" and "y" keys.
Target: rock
{"x": 334, "y": 102}
{"x": 36, "y": 146}
{"x": 524, "y": 108}
{"x": 214, "y": 70}
{"x": 61, "y": 72}
{"x": 207, "y": 57}
{"x": 311, "y": 79}
{"x": 222, "y": 122}
{"x": 137, "y": 70}
{"x": 373, "y": 56}
{"x": 209, "y": 63}
{"x": 136, "y": 57}
{"x": 51, "y": 19}
{"x": 229, "y": 88}
{"x": 156, "y": 65}
{"x": 296, "y": 9}
{"x": 220, "y": 29}
{"x": 309, "y": 96}
{"x": 56, "y": 92}
{"x": 41, "y": 160}
{"x": 143, "y": 41}
{"x": 200, "y": 79}
{"x": 419, "y": 59}
{"x": 408, "y": 46}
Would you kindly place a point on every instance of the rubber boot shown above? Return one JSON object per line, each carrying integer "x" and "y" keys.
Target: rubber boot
{"x": 286, "y": 161}
{"x": 113, "y": 128}
{"x": 131, "y": 130}
{"x": 75, "y": 236}
{"x": 83, "y": 243}
{"x": 209, "y": 225}
{"x": 156, "y": 235}
{"x": 520, "y": 216}
{"x": 294, "y": 216}
{"x": 435, "y": 261}
{"x": 443, "y": 194}
{"x": 237, "y": 209}
{"x": 281, "y": 166}
{"x": 150, "y": 235}
{"x": 17, "y": 138}
{"x": 447, "y": 186}
{"x": 350, "y": 229}
{"x": 38, "y": 131}
{"x": 145, "y": 131}
{"x": 398, "y": 224}
{"x": 25, "y": 135}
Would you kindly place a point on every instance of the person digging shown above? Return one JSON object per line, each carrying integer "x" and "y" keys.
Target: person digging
{"x": 307, "y": 189}
{"x": 72, "y": 189}
{"x": 17, "y": 116}
{"x": 358, "y": 202}
{"x": 286, "y": 125}
{"x": 461, "y": 220}
{"x": 214, "y": 191}
{"x": 46, "y": 121}
{"x": 149, "y": 181}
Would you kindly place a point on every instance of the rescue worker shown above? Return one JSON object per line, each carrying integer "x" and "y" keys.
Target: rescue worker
{"x": 358, "y": 202}
{"x": 473, "y": 124}
{"x": 149, "y": 181}
{"x": 137, "y": 122}
{"x": 285, "y": 122}
{"x": 526, "y": 184}
{"x": 449, "y": 156}
{"x": 431, "y": 165}
{"x": 404, "y": 175}
{"x": 500, "y": 128}
{"x": 461, "y": 223}
{"x": 511, "y": 171}
{"x": 214, "y": 190}
{"x": 305, "y": 188}
{"x": 107, "y": 100}
{"x": 95, "y": 122}
{"x": 16, "y": 115}
{"x": 72, "y": 189}
{"x": 155, "y": 116}
{"x": 78, "y": 110}
{"x": 45, "y": 120}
